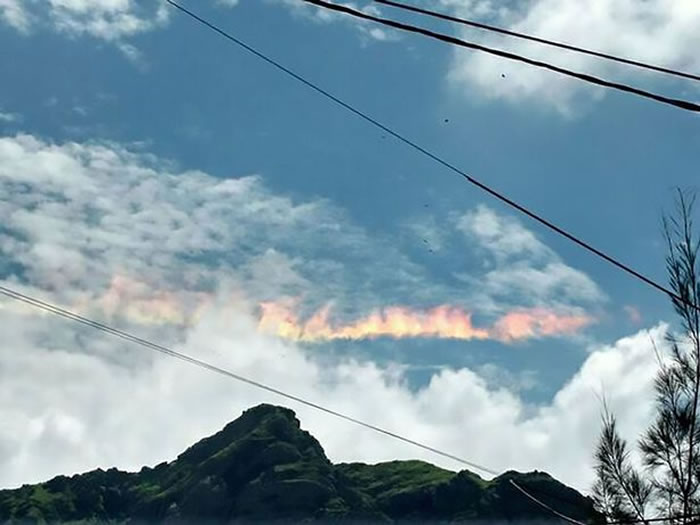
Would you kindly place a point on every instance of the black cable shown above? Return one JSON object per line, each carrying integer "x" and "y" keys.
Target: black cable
{"x": 682, "y": 104}
{"x": 569, "y": 47}
{"x": 545, "y": 506}
{"x": 494, "y": 193}
{"x": 533, "y": 493}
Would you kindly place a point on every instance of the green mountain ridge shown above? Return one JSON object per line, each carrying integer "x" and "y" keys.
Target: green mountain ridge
{"x": 262, "y": 467}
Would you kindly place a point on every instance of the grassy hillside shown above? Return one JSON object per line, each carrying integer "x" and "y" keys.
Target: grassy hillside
{"x": 263, "y": 467}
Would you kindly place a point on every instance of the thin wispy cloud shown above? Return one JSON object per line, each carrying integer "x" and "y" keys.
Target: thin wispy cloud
{"x": 8, "y": 117}
{"x": 326, "y": 16}
{"x": 118, "y": 22}
{"x": 98, "y": 217}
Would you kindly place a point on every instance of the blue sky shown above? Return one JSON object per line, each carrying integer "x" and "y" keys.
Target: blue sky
{"x": 144, "y": 160}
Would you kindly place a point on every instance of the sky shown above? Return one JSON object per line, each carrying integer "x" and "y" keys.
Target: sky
{"x": 157, "y": 178}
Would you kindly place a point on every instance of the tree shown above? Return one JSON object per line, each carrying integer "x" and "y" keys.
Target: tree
{"x": 667, "y": 483}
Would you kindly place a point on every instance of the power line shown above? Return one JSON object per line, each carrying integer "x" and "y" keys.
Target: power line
{"x": 632, "y": 521}
{"x": 433, "y": 156}
{"x": 561, "y": 45}
{"x": 682, "y": 104}
{"x": 629, "y": 521}
{"x": 72, "y": 316}
{"x": 545, "y": 506}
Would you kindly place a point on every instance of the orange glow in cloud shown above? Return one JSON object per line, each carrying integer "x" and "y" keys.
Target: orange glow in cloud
{"x": 138, "y": 302}
{"x": 442, "y": 322}
{"x": 397, "y": 322}
{"x": 537, "y": 322}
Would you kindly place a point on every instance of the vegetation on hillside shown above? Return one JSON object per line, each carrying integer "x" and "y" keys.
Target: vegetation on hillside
{"x": 263, "y": 467}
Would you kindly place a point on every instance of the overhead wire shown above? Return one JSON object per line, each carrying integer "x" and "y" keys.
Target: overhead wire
{"x": 542, "y": 504}
{"x": 436, "y": 158}
{"x": 539, "y": 40}
{"x": 678, "y": 103}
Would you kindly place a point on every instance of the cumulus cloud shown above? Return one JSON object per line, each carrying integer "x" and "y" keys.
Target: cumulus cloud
{"x": 661, "y": 32}
{"x": 123, "y": 236}
{"x": 69, "y": 408}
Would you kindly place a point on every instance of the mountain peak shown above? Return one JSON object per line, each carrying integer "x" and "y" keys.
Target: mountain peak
{"x": 263, "y": 426}
{"x": 263, "y": 467}
{"x": 264, "y": 409}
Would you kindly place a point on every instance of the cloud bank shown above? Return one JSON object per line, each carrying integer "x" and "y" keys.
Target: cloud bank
{"x": 124, "y": 236}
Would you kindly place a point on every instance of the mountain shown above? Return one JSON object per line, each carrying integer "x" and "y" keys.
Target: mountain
{"x": 263, "y": 467}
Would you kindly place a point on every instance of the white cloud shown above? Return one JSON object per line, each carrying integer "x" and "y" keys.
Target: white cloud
{"x": 113, "y": 21}
{"x": 13, "y": 13}
{"x": 519, "y": 265}
{"x": 61, "y": 395}
{"x": 77, "y": 216}
{"x": 662, "y": 32}
{"x": 90, "y": 212}
{"x": 133, "y": 54}
{"x": 116, "y": 21}
{"x": 505, "y": 238}
{"x": 125, "y": 237}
